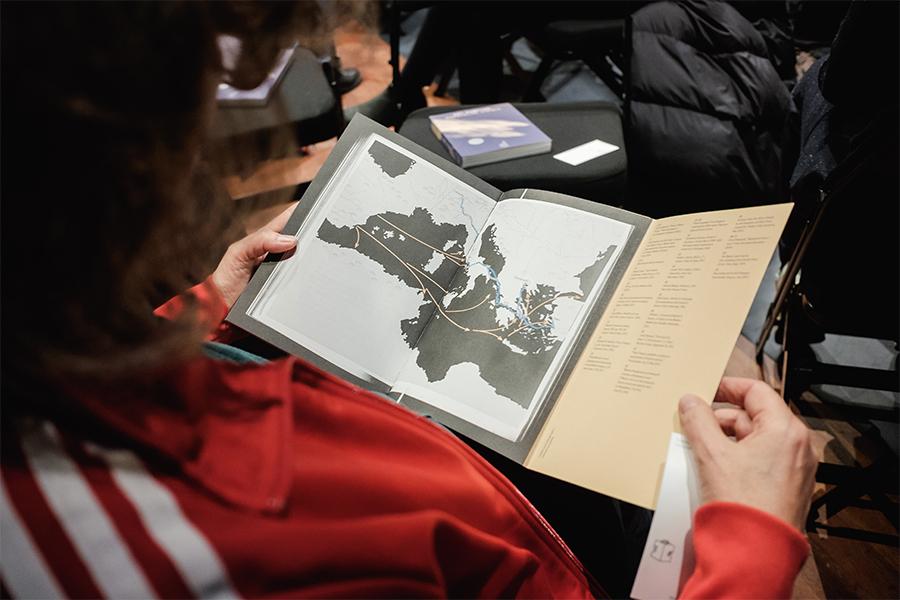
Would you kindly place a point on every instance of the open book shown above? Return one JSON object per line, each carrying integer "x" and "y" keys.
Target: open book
{"x": 557, "y": 331}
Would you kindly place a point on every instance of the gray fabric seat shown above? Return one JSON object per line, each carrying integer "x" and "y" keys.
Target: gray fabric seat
{"x": 568, "y": 125}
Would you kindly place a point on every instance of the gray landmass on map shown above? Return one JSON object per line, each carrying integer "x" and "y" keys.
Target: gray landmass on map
{"x": 453, "y": 338}
{"x": 512, "y": 355}
{"x": 488, "y": 251}
{"x": 392, "y": 163}
{"x": 387, "y": 239}
{"x": 588, "y": 277}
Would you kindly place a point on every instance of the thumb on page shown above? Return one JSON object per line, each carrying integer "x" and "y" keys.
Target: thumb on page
{"x": 258, "y": 244}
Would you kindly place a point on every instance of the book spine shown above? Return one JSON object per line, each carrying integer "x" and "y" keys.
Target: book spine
{"x": 436, "y": 131}
{"x": 453, "y": 153}
{"x": 446, "y": 143}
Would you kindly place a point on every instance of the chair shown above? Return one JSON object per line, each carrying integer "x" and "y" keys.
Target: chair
{"x": 568, "y": 125}
{"x": 597, "y": 43}
{"x": 842, "y": 279}
{"x": 305, "y": 103}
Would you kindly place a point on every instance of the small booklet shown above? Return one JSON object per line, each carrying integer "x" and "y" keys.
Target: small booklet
{"x": 557, "y": 331}
{"x": 668, "y": 559}
{"x": 488, "y": 134}
{"x": 227, "y": 95}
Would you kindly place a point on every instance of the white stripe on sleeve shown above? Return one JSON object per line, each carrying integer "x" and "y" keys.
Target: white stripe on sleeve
{"x": 24, "y": 569}
{"x": 190, "y": 551}
{"x": 93, "y": 534}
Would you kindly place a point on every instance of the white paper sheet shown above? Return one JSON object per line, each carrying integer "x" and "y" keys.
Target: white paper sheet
{"x": 668, "y": 558}
{"x": 585, "y": 152}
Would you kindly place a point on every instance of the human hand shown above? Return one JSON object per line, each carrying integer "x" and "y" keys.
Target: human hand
{"x": 771, "y": 466}
{"x": 242, "y": 257}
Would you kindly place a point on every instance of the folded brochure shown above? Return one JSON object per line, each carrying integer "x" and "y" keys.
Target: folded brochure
{"x": 556, "y": 331}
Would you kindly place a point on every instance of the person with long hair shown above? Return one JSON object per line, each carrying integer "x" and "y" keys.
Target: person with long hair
{"x": 136, "y": 465}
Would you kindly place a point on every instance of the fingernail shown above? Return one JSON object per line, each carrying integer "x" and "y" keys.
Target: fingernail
{"x": 687, "y": 402}
{"x": 286, "y": 239}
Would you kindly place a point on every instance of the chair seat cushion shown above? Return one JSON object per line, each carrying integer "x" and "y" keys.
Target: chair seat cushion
{"x": 568, "y": 125}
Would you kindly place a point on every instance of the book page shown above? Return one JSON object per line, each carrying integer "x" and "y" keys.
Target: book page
{"x": 375, "y": 253}
{"x": 668, "y": 331}
{"x": 511, "y": 314}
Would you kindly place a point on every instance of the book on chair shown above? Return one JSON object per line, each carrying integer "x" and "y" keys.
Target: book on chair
{"x": 488, "y": 134}
{"x": 556, "y": 331}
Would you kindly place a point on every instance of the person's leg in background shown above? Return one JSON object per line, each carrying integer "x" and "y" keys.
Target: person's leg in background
{"x": 435, "y": 42}
{"x": 344, "y": 79}
{"x": 479, "y": 53}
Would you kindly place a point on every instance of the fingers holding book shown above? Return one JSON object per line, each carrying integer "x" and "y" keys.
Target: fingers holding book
{"x": 771, "y": 463}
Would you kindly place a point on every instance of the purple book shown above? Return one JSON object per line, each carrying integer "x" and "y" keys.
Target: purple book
{"x": 488, "y": 134}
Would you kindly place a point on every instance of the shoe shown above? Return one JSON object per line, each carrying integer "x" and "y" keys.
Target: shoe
{"x": 386, "y": 109}
{"x": 346, "y": 80}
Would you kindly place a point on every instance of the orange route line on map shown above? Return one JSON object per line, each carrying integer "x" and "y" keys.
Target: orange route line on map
{"x": 512, "y": 333}
{"x": 558, "y": 295}
{"x": 518, "y": 320}
{"x": 527, "y": 300}
{"x": 423, "y": 287}
{"x": 455, "y": 258}
{"x": 421, "y": 272}
{"x": 459, "y": 310}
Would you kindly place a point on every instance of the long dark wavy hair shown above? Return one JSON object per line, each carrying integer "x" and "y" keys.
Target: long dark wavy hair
{"x": 110, "y": 202}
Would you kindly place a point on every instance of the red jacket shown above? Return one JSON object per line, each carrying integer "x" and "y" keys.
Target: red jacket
{"x": 281, "y": 480}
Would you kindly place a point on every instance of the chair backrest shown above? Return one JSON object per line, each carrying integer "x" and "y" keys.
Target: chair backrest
{"x": 850, "y": 270}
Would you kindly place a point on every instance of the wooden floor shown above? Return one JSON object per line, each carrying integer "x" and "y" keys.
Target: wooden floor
{"x": 847, "y": 564}
{"x": 840, "y": 566}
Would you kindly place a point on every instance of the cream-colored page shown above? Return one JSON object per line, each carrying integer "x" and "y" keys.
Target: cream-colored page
{"x": 667, "y": 331}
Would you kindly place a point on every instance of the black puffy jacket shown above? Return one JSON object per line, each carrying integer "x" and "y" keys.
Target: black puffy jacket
{"x": 706, "y": 112}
